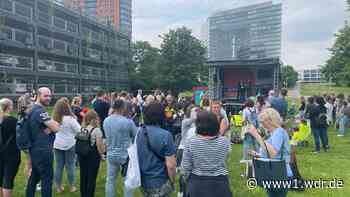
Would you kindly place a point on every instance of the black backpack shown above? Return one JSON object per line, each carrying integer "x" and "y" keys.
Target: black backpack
{"x": 83, "y": 142}
{"x": 321, "y": 120}
{"x": 24, "y": 134}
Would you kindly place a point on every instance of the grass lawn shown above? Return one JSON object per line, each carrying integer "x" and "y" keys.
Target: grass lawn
{"x": 320, "y": 89}
{"x": 334, "y": 164}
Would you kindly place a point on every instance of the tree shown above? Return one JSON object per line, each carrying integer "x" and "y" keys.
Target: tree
{"x": 289, "y": 76}
{"x": 143, "y": 66}
{"x": 337, "y": 67}
{"x": 183, "y": 62}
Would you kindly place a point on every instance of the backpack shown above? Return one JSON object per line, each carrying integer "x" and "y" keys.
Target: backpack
{"x": 83, "y": 142}
{"x": 321, "y": 120}
{"x": 24, "y": 134}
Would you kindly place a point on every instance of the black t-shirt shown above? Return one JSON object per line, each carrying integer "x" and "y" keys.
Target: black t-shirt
{"x": 41, "y": 140}
{"x": 101, "y": 107}
{"x": 315, "y": 111}
{"x": 8, "y": 126}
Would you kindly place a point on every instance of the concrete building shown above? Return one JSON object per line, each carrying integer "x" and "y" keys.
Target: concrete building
{"x": 44, "y": 44}
{"x": 310, "y": 75}
{"x": 250, "y": 32}
{"x": 244, "y": 51}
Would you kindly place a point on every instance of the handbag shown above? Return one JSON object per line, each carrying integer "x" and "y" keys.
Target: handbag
{"x": 133, "y": 174}
{"x": 270, "y": 169}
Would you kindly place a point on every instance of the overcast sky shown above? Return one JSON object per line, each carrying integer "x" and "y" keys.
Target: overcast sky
{"x": 308, "y": 25}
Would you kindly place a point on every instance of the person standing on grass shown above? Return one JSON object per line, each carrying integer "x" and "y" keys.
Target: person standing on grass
{"x": 119, "y": 132}
{"x": 329, "y": 107}
{"x": 77, "y": 109}
{"x": 277, "y": 145}
{"x": 204, "y": 157}
{"x": 90, "y": 164}
{"x": 40, "y": 159}
{"x": 319, "y": 124}
{"x": 101, "y": 107}
{"x": 156, "y": 150}
{"x": 342, "y": 119}
{"x": 216, "y": 108}
{"x": 249, "y": 117}
{"x": 10, "y": 156}
{"x": 64, "y": 144}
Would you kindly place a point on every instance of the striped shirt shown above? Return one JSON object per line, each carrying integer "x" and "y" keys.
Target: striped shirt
{"x": 205, "y": 157}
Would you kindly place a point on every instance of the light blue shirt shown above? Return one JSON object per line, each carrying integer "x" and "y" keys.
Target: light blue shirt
{"x": 278, "y": 139}
{"x": 119, "y": 132}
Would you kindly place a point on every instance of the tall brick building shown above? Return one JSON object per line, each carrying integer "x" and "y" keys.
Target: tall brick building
{"x": 117, "y": 13}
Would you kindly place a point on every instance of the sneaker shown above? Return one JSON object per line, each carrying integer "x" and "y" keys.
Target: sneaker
{"x": 38, "y": 187}
{"x": 340, "y": 135}
{"x": 180, "y": 194}
{"x": 60, "y": 189}
{"x": 316, "y": 152}
{"x": 73, "y": 189}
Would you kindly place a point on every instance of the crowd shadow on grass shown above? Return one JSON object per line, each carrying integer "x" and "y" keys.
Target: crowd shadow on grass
{"x": 327, "y": 166}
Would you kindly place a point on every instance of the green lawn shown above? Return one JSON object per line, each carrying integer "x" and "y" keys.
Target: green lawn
{"x": 334, "y": 164}
{"x": 320, "y": 89}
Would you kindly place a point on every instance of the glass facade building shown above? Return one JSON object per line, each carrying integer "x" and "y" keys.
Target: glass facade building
{"x": 125, "y": 17}
{"x": 251, "y": 32}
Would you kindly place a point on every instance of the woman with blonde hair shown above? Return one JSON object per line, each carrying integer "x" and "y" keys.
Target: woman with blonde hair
{"x": 64, "y": 145}
{"x": 10, "y": 156}
{"x": 277, "y": 145}
{"x": 90, "y": 164}
{"x": 216, "y": 108}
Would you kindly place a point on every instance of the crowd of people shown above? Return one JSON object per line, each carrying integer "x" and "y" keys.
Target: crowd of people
{"x": 173, "y": 136}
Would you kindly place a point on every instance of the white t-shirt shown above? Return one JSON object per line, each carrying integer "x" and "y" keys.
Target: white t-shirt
{"x": 65, "y": 137}
{"x": 329, "y": 107}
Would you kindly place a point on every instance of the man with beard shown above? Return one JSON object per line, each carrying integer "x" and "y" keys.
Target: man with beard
{"x": 43, "y": 131}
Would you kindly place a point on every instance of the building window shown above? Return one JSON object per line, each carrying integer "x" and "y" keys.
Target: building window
{"x": 6, "y": 5}
{"x": 44, "y": 18}
{"x": 60, "y": 67}
{"x": 23, "y": 37}
{"x": 45, "y": 43}
{"x": 23, "y": 10}
{"x": 59, "y": 45}
{"x": 7, "y": 32}
{"x": 72, "y": 27}
{"x": 59, "y": 23}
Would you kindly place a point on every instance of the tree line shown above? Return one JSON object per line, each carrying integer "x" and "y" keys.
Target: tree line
{"x": 178, "y": 64}
{"x": 337, "y": 67}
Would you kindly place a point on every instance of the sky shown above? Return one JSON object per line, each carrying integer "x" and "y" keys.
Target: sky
{"x": 308, "y": 25}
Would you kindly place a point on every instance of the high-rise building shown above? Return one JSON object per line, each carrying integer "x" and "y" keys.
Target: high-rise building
{"x": 117, "y": 13}
{"x": 251, "y": 32}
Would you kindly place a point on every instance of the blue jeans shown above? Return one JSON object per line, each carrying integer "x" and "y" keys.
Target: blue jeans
{"x": 247, "y": 143}
{"x": 113, "y": 167}
{"x": 42, "y": 170}
{"x": 320, "y": 133}
{"x": 65, "y": 158}
{"x": 343, "y": 121}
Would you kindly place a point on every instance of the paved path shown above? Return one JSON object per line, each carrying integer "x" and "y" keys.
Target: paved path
{"x": 295, "y": 92}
